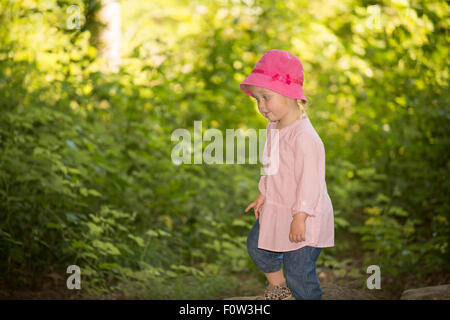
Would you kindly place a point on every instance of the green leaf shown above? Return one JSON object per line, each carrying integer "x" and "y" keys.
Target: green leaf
{"x": 94, "y": 193}
{"x": 239, "y": 223}
{"x": 84, "y": 192}
{"x": 152, "y": 233}
{"x": 106, "y": 248}
{"x": 52, "y": 225}
{"x": 72, "y": 145}
{"x": 397, "y": 211}
{"x": 89, "y": 255}
{"x": 341, "y": 222}
{"x": 94, "y": 229}
{"x": 138, "y": 240}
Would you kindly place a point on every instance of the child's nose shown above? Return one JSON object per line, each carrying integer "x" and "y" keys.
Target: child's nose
{"x": 263, "y": 111}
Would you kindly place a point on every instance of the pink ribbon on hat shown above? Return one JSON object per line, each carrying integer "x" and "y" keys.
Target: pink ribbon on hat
{"x": 287, "y": 79}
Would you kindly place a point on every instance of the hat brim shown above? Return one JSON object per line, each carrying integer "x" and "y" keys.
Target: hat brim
{"x": 293, "y": 90}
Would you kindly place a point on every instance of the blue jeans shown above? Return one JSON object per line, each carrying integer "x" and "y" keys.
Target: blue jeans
{"x": 299, "y": 266}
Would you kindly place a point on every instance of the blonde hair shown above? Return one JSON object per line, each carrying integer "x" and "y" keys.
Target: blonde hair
{"x": 302, "y": 105}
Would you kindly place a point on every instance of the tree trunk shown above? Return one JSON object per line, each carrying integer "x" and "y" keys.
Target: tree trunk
{"x": 110, "y": 36}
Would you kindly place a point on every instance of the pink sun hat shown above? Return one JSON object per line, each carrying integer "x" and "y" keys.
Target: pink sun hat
{"x": 279, "y": 71}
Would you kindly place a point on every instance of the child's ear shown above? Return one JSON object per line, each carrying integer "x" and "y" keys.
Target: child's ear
{"x": 300, "y": 105}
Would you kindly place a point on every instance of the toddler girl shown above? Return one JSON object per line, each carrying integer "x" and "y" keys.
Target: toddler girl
{"x": 294, "y": 214}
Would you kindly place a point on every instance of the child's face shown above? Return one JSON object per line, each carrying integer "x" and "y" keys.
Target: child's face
{"x": 271, "y": 105}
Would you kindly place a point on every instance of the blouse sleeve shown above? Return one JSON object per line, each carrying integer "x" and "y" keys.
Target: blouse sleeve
{"x": 262, "y": 180}
{"x": 262, "y": 185}
{"x": 306, "y": 157}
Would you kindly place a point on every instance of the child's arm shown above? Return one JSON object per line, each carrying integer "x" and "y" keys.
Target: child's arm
{"x": 298, "y": 228}
{"x": 262, "y": 185}
{"x": 306, "y": 160}
{"x": 306, "y": 157}
{"x": 257, "y": 205}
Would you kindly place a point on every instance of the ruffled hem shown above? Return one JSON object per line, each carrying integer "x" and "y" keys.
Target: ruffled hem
{"x": 301, "y": 245}
{"x": 275, "y": 226}
{"x": 303, "y": 208}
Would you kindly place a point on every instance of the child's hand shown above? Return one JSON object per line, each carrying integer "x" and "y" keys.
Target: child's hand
{"x": 257, "y": 204}
{"x": 298, "y": 228}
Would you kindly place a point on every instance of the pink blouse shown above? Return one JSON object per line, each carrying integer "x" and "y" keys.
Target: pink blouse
{"x": 294, "y": 182}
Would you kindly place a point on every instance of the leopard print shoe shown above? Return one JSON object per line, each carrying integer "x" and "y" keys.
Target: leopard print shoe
{"x": 279, "y": 292}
